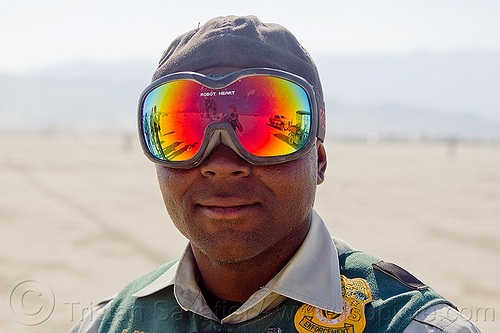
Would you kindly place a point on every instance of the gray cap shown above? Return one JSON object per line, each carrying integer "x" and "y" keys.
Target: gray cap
{"x": 241, "y": 42}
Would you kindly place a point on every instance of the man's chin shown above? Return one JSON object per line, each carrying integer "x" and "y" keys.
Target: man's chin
{"x": 231, "y": 253}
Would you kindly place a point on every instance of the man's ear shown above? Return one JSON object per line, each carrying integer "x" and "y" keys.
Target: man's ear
{"x": 321, "y": 161}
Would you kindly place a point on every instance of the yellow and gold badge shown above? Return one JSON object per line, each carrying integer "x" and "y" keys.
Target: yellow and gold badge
{"x": 355, "y": 294}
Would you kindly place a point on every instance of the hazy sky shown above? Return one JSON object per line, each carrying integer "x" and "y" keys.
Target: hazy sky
{"x": 37, "y": 33}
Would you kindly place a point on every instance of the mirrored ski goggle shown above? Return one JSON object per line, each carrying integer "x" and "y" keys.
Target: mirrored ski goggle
{"x": 266, "y": 116}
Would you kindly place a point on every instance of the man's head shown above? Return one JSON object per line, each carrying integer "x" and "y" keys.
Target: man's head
{"x": 240, "y": 42}
{"x": 232, "y": 209}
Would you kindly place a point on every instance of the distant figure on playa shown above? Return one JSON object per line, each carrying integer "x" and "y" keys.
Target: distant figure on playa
{"x": 232, "y": 118}
{"x": 210, "y": 108}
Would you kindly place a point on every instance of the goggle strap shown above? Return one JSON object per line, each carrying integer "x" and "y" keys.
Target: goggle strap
{"x": 321, "y": 120}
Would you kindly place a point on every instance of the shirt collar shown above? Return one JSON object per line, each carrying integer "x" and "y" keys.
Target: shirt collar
{"x": 312, "y": 276}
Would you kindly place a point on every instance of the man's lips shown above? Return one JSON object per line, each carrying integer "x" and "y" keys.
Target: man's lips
{"x": 229, "y": 209}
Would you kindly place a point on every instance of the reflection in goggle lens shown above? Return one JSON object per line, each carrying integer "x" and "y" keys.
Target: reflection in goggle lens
{"x": 270, "y": 116}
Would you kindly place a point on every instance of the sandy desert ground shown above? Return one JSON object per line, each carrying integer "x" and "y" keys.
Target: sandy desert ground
{"x": 81, "y": 215}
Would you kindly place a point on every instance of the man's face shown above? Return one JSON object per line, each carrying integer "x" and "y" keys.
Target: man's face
{"x": 232, "y": 211}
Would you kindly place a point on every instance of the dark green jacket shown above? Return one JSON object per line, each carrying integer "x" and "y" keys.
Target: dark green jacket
{"x": 378, "y": 297}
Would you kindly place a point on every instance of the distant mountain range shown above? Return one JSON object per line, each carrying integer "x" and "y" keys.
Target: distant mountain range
{"x": 393, "y": 121}
{"x": 435, "y": 96}
{"x": 450, "y": 96}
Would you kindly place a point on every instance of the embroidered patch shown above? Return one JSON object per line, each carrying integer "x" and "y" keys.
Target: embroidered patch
{"x": 355, "y": 294}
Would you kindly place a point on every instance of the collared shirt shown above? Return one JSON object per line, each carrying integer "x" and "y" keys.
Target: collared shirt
{"x": 314, "y": 264}
{"x": 293, "y": 281}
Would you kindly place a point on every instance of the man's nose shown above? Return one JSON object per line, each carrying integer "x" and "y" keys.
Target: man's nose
{"x": 224, "y": 162}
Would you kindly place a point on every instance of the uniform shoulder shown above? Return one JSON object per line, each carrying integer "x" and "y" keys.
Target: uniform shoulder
{"x": 358, "y": 262}
{"x": 441, "y": 318}
{"x": 92, "y": 320}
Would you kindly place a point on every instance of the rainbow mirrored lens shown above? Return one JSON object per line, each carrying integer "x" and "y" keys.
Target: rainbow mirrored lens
{"x": 271, "y": 116}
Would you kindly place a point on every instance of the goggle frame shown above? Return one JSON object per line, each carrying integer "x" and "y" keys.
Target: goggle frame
{"x": 227, "y": 135}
